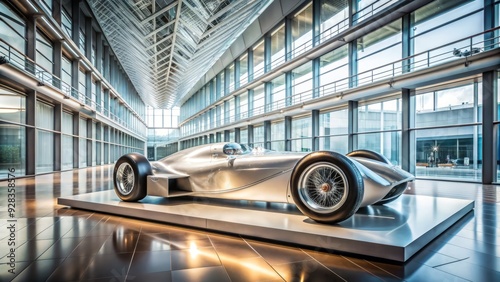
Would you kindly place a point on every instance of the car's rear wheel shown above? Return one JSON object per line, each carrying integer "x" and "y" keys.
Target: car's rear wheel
{"x": 395, "y": 191}
{"x": 372, "y": 155}
{"x": 130, "y": 177}
{"x": 327, "y": 187}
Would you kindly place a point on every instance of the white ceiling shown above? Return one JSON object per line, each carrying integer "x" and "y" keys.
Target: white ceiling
{"x": 166, "y": 46}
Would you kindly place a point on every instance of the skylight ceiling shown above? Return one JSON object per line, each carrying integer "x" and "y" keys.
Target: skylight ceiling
{"x": 167, "y": 46}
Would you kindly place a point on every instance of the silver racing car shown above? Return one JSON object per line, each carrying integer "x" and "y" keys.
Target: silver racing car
{"x": 326, "y": 186}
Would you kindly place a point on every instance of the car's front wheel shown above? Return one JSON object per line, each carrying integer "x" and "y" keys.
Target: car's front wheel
{"x": 327, "y": 187}
{"x": 130, "y": 177}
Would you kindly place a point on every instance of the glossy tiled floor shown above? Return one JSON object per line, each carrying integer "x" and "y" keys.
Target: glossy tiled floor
{"x": 55, "y": 243}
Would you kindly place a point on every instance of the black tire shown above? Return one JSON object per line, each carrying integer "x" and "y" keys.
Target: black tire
{"x": 327, "y": 187}
{"x": 130, "y": 177}
{"x": 369, "y": 155}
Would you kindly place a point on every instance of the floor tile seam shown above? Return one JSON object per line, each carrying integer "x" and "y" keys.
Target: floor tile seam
{"x": 393, "y": 275}
{"x": 497, "y": 238}
{"x": 473, "y": 250}
{"x": 133, "y": 254}
{"x": 331, "y": 270}
{"x": 270, "y": 265}
{"x": 449, "y": 273}
{"x": 456, "y": 260}
{"x": 218, "y": 257}
{"x": 346, "y": 258}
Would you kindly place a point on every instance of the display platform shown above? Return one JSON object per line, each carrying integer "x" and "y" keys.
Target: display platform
{"x": 395, "y": 231}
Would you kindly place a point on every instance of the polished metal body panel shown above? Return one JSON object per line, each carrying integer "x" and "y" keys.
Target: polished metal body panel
{"x": 259, "y": 175}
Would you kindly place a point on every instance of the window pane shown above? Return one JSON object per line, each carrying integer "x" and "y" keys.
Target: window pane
{"x": 12, "y": 106}
{"x": 44, "y": 151}
{"x": 333, "y": 123}
{"x": 277, "y": 93}
{"x": 337, "y": 144}
{"x": 302, "y": 31}
{"x": 378, "y": 49}
{"x": 302, "y": 83}
{"x": 334, "y": 16}
{"x": 258, "y": 101}
{"x": 258, "y": 60}
{"x": 334, "y": 71}
{"x": 452, "y": 106}
{"x": 243, "y": 70}
{"x": 278, "y": 47}
{"x": 449, "y": 153}
{"x": 386, "y": 143}
{"x": 12, "y": 149}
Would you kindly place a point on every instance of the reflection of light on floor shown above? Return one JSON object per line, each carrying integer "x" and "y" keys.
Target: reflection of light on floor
{"x": 193, "y": 249}
{"x": 250, "y": 266}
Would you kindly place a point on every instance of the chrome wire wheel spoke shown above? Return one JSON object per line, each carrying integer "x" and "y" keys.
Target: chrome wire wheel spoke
{"x": 323, "y": 187}
{"x": 125, "y": 178}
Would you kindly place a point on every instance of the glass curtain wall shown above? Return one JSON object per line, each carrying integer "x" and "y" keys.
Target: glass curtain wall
{"x": 12, "y": 133}
{"x": 82, "y": 151}
{"x": 278, "y": 135}
{"x": 258, "y": 60}
{"x": 45, "y": 137}
{"x": 258, "y": 101}
{"x": 258, "y": 136}
{"x": 278, "y": 94}
{"x": 13, "y": 32}
{"x": 301, "y": 134}
{"x": 302, "y": 23}
{"x": 302, "y": 84}
{"x": 379, "y": 128}
{"x": 333, "y": 130}
{"x": 67, "y": 141}
{"x": 376, "y": 53}
{"x": 447, "y": 130}
{"x": 243, "y": 70}
{"x": 334, "y": 71}
{"x": 441, "y": 22}
{"x": 334, "y": 18}
{"x": 44, "y": 58}
{"x": 278, "y": 47}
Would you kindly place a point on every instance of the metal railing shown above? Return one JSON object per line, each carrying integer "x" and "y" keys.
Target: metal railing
{"x": 332, "y": 31}
{"x": 19, "y": 60}
{"x": 456, "y": 50}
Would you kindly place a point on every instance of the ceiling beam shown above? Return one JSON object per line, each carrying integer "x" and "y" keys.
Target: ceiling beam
{"x": 161, "y": 11}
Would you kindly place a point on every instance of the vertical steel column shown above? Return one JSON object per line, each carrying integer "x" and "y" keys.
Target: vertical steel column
{"x": 57, "y": 137}
{"x": 288, "y": 133}
{"x": 211, "y": 138}
{"x": 89, "y": 142}
{"x": 105, "y": 68}
{"x": 315, "y": 77}
{"x": 75, "y": 21}
{"x": 31, "y": 142}
{"x": 353, "y": 64}
{"x": 267, "y": 134}
{"x": 56, "y": 10}
{"x": 267, "y": 53}
{"x": 250, "y": 103}
{"x": 226, "y": 136}
{"x": 99, "y": 51}
{"x": 88, "y": 38}
{"x": 217, "y": 87}
{"x": 237, "y": 73}
{"x": 268, "y": 97}
{"x": 316, "y": 22}
{"x": 250, "y": 64}
{"x": 237, "y": 135}
{"x": 288, "y": 89}
{"x": 57, "y": 63}
{"x": 490, "y": 130}
{"x": 408, "y": 150}
{"x": 250, "y": 135}
{"x": 315, "y": 129}
{"x": 407, "y": 43}
{"x": 489, "y": 23}
{"x": 288, "y": 38}
{"x": 352, "y": 126}
{"x": 76, "y": 140}
{"x": 237, "y": 110}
